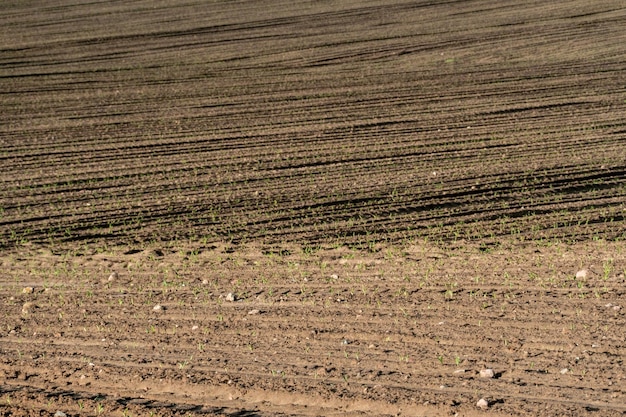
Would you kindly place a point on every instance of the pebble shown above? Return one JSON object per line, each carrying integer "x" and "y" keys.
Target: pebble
{"x": 60, "y": 414}
{"x": 255, "y": 311}
{"x": 158, "y": 307}
{"x": 482, "y": 403}
{"x": 487, "y": 373}
{"x": 564, "y": 371}
{"x": 113, "y": 277}
{"x": 28, "y": 290}
{"x": 582, "y": 274}
{"x": 230, "y": 297}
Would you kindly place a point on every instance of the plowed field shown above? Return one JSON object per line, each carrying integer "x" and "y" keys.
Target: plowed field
{"x": 312, "y": 208}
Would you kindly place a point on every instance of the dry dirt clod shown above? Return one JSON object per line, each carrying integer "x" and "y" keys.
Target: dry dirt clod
{"x": 230, "y": 297}
{"x": 158, "y": 308}
{"x": 252, "y": 312}
{"x": 483, "y": 404}
{"x": 28, "y": 307}
{"x": 113, "y": 277}
{"x": 487, "y": 373}
{"x": 28, "y": 290}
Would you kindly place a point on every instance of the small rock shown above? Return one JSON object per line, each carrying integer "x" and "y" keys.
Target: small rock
{"x": 459, "y": 371}
{"x": 334, "y": 276}
{"x": 564, "y": 371}
{"x": 482, "y": 403}
{"x": 582, "y": 274}
{"x": 28, "y": 290}
{"x": 113, "y": 277}
{"x": 194, "y": 328}
{"x": 252, "y": 312}
{"x": 616, "y": 308}
{"x": 205, "y": 281}
{"x": 487, "y": 373}
{"x": 230, "y": 297}
{"x": 158, "y": 307}
{"x": 60, "y": 414}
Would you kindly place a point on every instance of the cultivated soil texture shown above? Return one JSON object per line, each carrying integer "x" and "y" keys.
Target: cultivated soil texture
{"x": 246, "y": 208}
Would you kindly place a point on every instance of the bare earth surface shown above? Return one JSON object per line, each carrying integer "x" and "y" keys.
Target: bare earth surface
{"x": 312, "y": 208}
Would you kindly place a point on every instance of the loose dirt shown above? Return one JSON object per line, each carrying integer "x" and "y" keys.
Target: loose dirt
{"x": 340, "y": 209}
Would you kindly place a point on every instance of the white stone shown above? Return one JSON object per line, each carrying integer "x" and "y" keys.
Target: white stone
{"x": 482, "y": 403}
{"x": 582, "y": 274}
{"x": 487, "y": 373}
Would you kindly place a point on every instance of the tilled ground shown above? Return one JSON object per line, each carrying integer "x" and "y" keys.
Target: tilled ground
{"x": 266, "y": 331}
{"x": 341, "y": 208}
{"x": 309, "y": 121}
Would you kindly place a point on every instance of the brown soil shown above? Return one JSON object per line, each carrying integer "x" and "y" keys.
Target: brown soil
{"x": 342, "y": 208}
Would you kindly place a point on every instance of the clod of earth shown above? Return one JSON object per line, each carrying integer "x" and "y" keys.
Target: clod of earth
{"x": 28, "y": 307}
{"x": 28, "y": 290}
{"x": 486, "y": 373}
